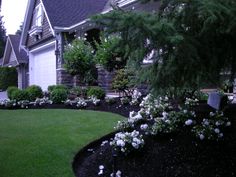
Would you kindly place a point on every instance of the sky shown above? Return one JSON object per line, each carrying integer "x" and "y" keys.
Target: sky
{"x": 13, "y": 12}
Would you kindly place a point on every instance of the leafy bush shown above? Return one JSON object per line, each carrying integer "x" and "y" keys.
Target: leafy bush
{"x": 10, "y": 90}
{"x": 52, "y": 87}
{"x": 58, "y": 95}
{"x": 34, "y": 92}
{"x": 20, "y": 95}
{"x": 122, "y": 81}
{"x": 78, "y": 58}
{"x": 109, "y": 55}
{"x": 8, "y": 77}
{"x": 98, "y": 92}
{"x": 79, "y": 91}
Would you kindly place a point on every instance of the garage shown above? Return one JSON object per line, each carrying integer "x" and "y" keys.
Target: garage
{"x": 42, "y": 67}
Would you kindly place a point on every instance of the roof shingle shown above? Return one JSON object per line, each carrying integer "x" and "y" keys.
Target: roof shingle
{"x": 65, "y": 13}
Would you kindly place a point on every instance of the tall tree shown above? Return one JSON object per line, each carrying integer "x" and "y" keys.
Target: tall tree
{"x": 195, "y": 41}
{"x": 2, "y": 36}
{"x": 19, "y": 31}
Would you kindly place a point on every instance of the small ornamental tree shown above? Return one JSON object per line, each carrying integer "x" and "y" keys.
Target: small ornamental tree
{"x": 79, "y": 59}
{"x": 8, "y": 77}
{"x": 109, "y": 54}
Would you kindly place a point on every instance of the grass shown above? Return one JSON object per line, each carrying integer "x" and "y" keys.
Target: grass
{"x": 42, "y": 143}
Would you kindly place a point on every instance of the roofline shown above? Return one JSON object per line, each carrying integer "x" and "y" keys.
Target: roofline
{"x": 73, "y": 27}
{"x": 12, "y": 49}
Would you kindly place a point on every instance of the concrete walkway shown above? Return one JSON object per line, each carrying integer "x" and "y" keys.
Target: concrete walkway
{"x": 3, "y": 95}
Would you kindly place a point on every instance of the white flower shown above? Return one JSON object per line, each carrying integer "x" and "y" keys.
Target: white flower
{"x": 217, "y": 130}
{"x": 201, "y": 136}
{"x": 217, "y": 123}
{"x": 164, "y": 114}
{"x": 120, "y": 143}
{"x": 205, "y": 122}
{"x": 228, "y": 124}
{"x": 185, "y": 111}
{"x": 212, "y": 114}
{"x": 101, "y": 167}
{"x": 189, "y": 122}
{"x": 135, "y": 145}
{"x": 221, "y": 135}
{"x": 118, "y": 173}
{"x": 144, "y": 126}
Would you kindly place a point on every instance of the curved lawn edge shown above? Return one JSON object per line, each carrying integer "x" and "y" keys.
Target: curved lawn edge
{"x": 83, "y": 153}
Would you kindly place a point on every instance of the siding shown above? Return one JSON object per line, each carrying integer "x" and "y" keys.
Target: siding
{"x": 12, "y": 57}
{"x": 46, "y": 33}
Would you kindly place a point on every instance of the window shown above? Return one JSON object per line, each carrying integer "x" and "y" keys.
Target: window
{"x": 38, "y": 16}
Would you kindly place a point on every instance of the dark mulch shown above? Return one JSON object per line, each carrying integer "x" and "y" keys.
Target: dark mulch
{"x": 176, "y": 155}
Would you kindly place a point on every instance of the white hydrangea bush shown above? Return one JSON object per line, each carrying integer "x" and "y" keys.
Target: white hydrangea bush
{"x": 191, "y": 102}
{"x": 136, "y": 96}
{"x": 212, "y": 128}
{"x": 95, "y": 100}
{"x": 126, "y": 142}
{"x": 81, "y": 103}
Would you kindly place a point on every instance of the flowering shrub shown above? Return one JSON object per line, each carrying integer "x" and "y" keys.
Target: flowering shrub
{"x": 154, "y": 107}
{"x": 124, "y": 100}
{"x": 212, "y": 128}
{"x": 123, "y": 125}
{"x": 23, "y": 104}
{"x": 190, "y": 102}
{"x": 8, "y": 103}
{"x": 134, "y": 117}
{"x": 135, "y": 97}
{"x": 127, "y": 142}
{"x": 42, "y": 101}
{"x": 81, "y": 103}
{"x": 94, "y": 100}
{"x": 163, "y": 125}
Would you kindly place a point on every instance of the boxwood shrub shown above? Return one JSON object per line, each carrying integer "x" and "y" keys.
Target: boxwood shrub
{"x": 58, "y": 95}
{"x": 10, "y": 90}
{"x": 96, "y": 91}
{"x": 34, "y": 92}
{"x": 52, "y": 87}
{"x": 20, "y": 95}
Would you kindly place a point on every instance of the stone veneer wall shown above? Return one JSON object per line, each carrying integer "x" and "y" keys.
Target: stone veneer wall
{"x": 64, "y": 78}
{"x": 105, "y": 78}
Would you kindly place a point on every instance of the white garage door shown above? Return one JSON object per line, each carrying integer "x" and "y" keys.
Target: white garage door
{"x": 43, "y": 68}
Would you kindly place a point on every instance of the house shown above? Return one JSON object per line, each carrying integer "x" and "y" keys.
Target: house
{"x": 49, "y": 25}
{"x": 13, "y": 57}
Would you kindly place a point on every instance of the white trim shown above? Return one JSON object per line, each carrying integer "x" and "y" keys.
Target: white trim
{"x": 53, "y": 33}
{"x": 43, "y": 47}
{"x": 60, "y": 69}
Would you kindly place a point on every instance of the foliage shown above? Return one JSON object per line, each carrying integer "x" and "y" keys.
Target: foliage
{"x": 20, "y": 95}
{"x": 98, "y": 92}
{"x": 110, "y": 100}
{"x": 2, "y": 37}
{"x": 34, "y": 92}
{"x": 108, "y": 54}
{"x": 52, "y": 87}
{"x": 10, "y": 90}
{"x": 58, "y": 96}
{"x": 122, "y": 81}
{"x": 194, "y": 41}
{"x": 79, "y": 59}
{"x": 8, "y": 77}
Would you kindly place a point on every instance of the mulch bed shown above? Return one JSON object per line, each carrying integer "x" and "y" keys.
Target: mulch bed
{"x": 176, "y": 155}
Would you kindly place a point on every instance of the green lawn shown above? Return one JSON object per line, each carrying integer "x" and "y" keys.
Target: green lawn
{"x": 42, "y": 143}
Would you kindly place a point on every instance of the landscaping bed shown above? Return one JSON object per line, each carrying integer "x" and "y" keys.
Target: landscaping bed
{"x": 178, "y": 154}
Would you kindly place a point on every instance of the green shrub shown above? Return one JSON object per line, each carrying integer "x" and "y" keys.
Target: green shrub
{"x": 79, "y": 91}
{"x": 20, "y": 95}
{"x": 10, "y": 90}
{"x": 97, "y": 92}
{"x": 34, "y": 92}
{"x": 58, "y": 95}
{"x": 8, "y": 77}
{"x": 52, "y": 87}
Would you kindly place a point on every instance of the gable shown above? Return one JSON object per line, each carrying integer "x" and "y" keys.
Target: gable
{"x": 12, "y": 57}
{"x": 39, "y": 28}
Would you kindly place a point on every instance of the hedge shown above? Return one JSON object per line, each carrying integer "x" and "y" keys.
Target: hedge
{"x": 8, "y": 77}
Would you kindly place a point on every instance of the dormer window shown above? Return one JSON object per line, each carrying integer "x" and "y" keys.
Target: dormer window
{"x": 36, "y": 29}
{"x": 38, "y": 16}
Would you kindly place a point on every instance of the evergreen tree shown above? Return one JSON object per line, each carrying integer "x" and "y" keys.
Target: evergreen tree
{"x": 19, "y": 31}
{"x": 2, "y": 36}
{"x": 195, "y": 41}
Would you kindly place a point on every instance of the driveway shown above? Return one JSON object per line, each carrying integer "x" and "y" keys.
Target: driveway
{"x": 3, "y": 95}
